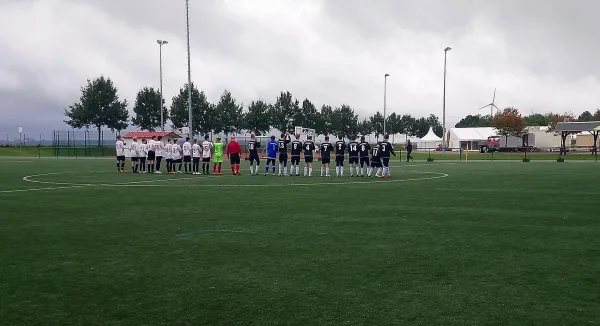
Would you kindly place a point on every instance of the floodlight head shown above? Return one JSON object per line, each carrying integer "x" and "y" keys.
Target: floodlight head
{"x": 447, "y": 49}
{"x": 387, "y": 75}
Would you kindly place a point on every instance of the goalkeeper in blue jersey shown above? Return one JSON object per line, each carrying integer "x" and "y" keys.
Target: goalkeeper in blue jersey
{"x": 272, "y": 149}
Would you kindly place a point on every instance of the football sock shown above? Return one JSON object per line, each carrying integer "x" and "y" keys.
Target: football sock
{"x": 285, "y": 170}
{"x": 378, "y": 171}
{"x": 251, "y": 169}
{"x": 219, "y": 167}
{"x": 214, "y": 168}
{"x": 280, "y": 168}
{"x": 337, "y": 170}
{"x": 233, "y": 168}
{"x": 357, "y": 169}
{"x": 322, "y": 169}
{"x": 119, "y": 166}
{"x": 305, "y": 170}
{"x": 297, "y": 169}
{"x": 266, "y": 169}
{"x": 273, "y": 169}
{"x": 309, "y": 172}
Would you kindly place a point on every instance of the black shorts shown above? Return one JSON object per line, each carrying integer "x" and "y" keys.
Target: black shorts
{"x": 271, "y": 161}
{"x": 308, "y": 159}
{"x": 195, "y": 159}
{"x": 187, "y": 159}
{"x": 234, "y": 158}
{"x": 151, "y": 155}
{"x": 295, "y": 160}
{"x": 134, "y": 159}
{"x": 169, "y": 160}
{"x": 121, "y": 158}
{"x": 253, "y": 157}
{"x": 353, "y": 160}
{"x": 339, "y": 161}
{"x": 364, "y": 161}
{"x": 375, "y": 164}
{"x": 206, "y": 160}
{"x": 385, "y": 161}
{"x": 283, "y": 157}
{"x": 325, "y": 160}
{"x": 177, "y": 161}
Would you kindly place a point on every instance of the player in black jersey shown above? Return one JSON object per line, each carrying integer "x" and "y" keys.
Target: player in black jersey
{"x": 309, "y": 148}
{"x": 375, "y": 162}
{"x": 363, "y": 153}
{"x": 253, "y": 146}
{"x": 283, "y": 153}
{"x": 353, "y": 156}
{"x": 296, "y": 150}
{"x": 326, "y": 149}
{"x": 340, "y": 149}
{"x": 385, "y": 149}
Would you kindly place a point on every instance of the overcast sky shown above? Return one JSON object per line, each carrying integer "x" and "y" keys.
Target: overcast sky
{"x": 541, "y": 55}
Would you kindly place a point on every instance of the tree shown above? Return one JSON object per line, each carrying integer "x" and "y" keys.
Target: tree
{"x": 420, "y": 127}
{"x": 376, "y": 122}
{"x": 434, "y": 122}
{"x": 554, "y": 119}
{"x": 585, "y": 116}
{"x": 409, "y": 125}
{"x": 538, "y": 119}
{"x": 228, "y": 113}
{"x": 283, "y": 111}
{"x": 391, "y": 125}
{"x": 323, "y": 125}
{"x": 202, "y": 114}
{"x": 307, "y": 116}
{"x": 472, "y": 121}
{"x": 344, "y": 122}
{"x": 509, "y": 122}
{"x": 147, "y": 111}
{"x": 98, "y": 106}
{"x": 365, "y": 127}
{"x": 256, "y": 118}
{"x": 597, "y": 115}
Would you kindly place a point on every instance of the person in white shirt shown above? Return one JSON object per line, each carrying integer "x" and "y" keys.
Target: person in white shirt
{"x": 168, "y": 154}
{"x": 142, "y": 154}
{"x": 151, "y": 154}
{"x": 176, "y": 149}
{"x": 206, "y": 153}
{"x": 187, "y": 155}
{"x": 159, "y": 147}
{"x": 133, "y": 150}
{"x": 196, "y": 157}
{"x": 120, "y": 149}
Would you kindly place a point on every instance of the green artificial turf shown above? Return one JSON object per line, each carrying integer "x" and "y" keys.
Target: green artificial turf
{"x": 438, "y": 244}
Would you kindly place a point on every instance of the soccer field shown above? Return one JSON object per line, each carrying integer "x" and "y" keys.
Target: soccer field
{"x": 438, "y": 244}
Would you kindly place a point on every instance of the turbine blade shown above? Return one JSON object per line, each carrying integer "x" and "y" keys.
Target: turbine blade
{"x": 494, "y": 98}
{"x": 483, "y": 107}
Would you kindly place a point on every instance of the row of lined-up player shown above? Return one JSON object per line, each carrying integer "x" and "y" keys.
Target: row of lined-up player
{"x": 147, "y": 156}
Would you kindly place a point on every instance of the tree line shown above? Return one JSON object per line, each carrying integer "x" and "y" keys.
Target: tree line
{"x": 534, "y": 119}
{"x": 100, "y": 106}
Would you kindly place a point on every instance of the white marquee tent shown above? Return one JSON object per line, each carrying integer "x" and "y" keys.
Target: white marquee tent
{"x": 468, "y": 137}
{"x": 429, "y": 141}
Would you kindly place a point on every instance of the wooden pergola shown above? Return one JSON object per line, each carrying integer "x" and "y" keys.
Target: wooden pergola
{"x": 566, "y": 128}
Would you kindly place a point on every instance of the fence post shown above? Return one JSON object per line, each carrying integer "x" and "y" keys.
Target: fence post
{"x": 460, "y": 155}
{"x": 39, "y": 152}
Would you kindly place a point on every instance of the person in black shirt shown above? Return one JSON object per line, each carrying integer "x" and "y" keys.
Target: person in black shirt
{"x": 385, "y": 149}
{"x": 340, "y": 149}
{"x": 309, "y": 148}
{"x": 296, "y": 150}
{"x": 353, "y": 156}
{"x": 363, "y": 152}
{"x": 253, "y": 146}
{"x": 375, "y": 162}
{"x": 283, "y": 152}
{"x": 326, "y": 149}
{"x": 408, "y": 151}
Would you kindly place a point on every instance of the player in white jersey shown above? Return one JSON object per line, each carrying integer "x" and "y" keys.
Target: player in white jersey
{"x": 168, "y": 154}
{"x": 142, "y": 154}
{"x": 151, "y": 154}
{"x": 176, "y": 149}
{"x": 206, "y": 153}
{"x": 159, "y": 147}
{"x": 187, "y": 155}
{"x": 133, "y": 149}
{"x": 120, "y": 149}
{"x": 196, "y": 157}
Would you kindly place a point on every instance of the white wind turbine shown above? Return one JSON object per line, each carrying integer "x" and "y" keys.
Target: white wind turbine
{"x": 491, "y": 105}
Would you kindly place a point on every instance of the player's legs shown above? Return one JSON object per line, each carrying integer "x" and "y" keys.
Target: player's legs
{"x": 385, "y": 161}
{"x": 158, "y": 163}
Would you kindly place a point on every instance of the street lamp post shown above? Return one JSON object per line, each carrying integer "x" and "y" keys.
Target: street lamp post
{"x": 187, "y": 17}
{"x": 384, "y": 101}
{"x": 444, "y": 102}
{"x": 162, "y": 121}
